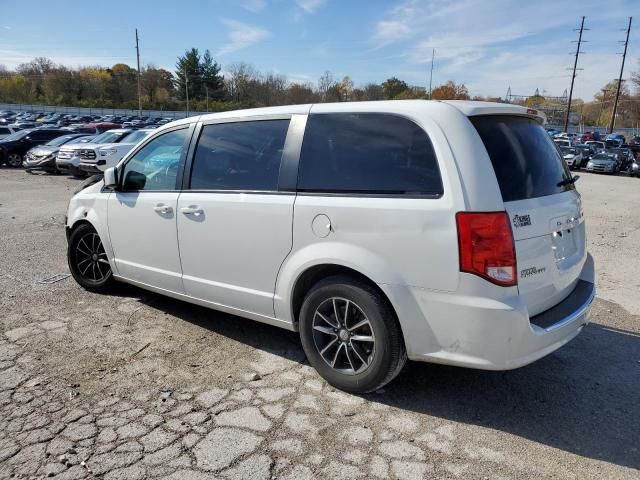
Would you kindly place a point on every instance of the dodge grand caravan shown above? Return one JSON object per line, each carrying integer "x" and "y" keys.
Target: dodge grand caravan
{"x": 438, "y": 231}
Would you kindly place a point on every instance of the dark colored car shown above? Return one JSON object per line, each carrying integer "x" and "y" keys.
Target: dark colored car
{"x": 43, "y": 157}
{"x": 587, "y": 151}
{"x": 14, "y": 147}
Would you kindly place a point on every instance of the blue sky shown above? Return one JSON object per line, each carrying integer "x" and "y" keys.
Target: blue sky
{"x": 487, "y": 44}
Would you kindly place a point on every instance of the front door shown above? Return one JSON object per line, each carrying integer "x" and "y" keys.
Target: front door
{"x": 234, "y": 226}
{"x": 142, "y": 214}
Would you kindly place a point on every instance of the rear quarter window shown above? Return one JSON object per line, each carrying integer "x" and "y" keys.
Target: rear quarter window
{"x": 526, "y": 161}
{"x": 367, "y": 153}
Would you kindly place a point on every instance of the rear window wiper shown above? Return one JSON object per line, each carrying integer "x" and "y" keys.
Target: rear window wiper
{"x": 569, "y": 181}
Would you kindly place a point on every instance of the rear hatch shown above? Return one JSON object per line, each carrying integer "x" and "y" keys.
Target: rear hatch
{"x": 543, "y": 205}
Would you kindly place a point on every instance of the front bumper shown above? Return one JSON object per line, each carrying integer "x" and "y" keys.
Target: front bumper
{"x": 91, "y": 167}
{"x": 476, "y": 331}
{"x": 601, "y": 168}
{"x": 48, "y": 163}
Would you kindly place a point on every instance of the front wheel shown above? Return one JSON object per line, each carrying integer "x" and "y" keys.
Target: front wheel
{"x": 351, "y": 335}
{"x": 88, "y": 261}
{"x": 14, "y": 160}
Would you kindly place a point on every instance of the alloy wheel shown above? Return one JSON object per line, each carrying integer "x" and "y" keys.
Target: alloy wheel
{"x": 91, "y": 259}
{"x": 343, "y": 335}
{"x": 14, "y": 160}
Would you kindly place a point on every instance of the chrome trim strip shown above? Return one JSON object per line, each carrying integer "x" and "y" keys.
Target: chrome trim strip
{"x": 579, "y": 312}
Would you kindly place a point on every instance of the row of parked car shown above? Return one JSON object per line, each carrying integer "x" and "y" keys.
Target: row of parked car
{"x": 56, "y": 150}
{"x": 19, "y": 121}
{"x": 609, "y": 155}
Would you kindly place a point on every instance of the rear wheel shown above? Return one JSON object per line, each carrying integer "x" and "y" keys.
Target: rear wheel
{"x": 351, "y": 335}
{"x": 87, "y": 259}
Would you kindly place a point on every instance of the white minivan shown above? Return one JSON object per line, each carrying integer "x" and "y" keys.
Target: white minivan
{"x": 439, "y": 231}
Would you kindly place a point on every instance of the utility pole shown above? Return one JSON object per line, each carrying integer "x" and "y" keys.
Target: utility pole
{"x": 139, "y": 94}
{"x": 186, "y": 87}
{"x": 433, "y": 55}
{"x": 615, "y": 103}
{"x": 573, "y": 76}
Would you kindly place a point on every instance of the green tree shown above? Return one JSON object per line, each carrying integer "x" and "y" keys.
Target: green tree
{"x": 211, "y": 78}
{"x": 393, "y": 87}
{"x": 189, "y": 72}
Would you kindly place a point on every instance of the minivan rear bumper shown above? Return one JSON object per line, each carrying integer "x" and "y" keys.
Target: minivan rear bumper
{"x": 476, "y": 331}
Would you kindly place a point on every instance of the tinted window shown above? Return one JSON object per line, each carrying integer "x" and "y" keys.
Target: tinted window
{"x": 239, "y": 155}
{"x": 526, "y": 161}
{"x": 155, "y": 166}
{"x": 367, "y": 153}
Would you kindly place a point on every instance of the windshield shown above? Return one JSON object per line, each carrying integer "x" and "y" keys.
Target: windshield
{"x": 526, "y": 161}
{"x": 134, "y": 137}
{"x": 108, "y": 137}
{"x": 16, "y": 135}
{"x": 56, "y": 142}
{"x": 567, "y": 150}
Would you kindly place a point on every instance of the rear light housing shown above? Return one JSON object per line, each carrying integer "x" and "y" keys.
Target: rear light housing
{"x": 486, "y": 247}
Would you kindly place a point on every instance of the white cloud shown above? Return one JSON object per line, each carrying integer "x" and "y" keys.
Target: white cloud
{"x": 310, "y": 6}
{"x": 390, "y": 31}
{"x": 254, "y": 6}
{"x": 506, "y": 43}
{"x": 241, "y": 35}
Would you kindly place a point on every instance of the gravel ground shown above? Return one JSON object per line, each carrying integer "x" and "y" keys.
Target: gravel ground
{"x": 134, "y": 385}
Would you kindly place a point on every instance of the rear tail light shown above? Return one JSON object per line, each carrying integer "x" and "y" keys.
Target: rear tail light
{"x": 486, "y": 246}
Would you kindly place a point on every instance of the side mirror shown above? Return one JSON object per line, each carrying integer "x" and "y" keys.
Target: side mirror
{"x": 110, "y": 178}
{"x": 134, "y": 181}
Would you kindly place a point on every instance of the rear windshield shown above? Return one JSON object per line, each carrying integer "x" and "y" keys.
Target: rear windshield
{"x": 526, "y": 161}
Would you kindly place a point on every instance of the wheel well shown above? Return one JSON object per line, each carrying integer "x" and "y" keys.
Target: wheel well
{"x": 82, "y": 221}
{"x": 314, "y": 274}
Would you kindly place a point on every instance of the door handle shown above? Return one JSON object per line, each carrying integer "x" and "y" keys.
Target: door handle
{"x": 192, "y": 210}
{"x": 163, "y": 209}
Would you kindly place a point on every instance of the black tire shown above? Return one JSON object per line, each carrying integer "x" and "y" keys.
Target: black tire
{"x": 360, "y": 366}
{"x": 88, "y": 261}
{"x": 14, "y": 160}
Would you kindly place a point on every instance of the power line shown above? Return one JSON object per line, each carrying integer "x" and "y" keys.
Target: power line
{"x": 624, "y": 55}
{"x": 573, "y": 76}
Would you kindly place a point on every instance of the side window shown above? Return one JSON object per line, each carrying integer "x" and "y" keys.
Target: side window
{"x": 239, "y": 155}
{"x": 367, "y": 153}
{"x": 155, "y": 166}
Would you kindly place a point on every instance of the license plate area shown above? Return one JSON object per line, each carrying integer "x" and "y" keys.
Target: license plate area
{"x": 565, "y": 241}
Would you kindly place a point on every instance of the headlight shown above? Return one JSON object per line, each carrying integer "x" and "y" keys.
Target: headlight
{"x": 105, "y": 152}
{"x": 589, "y": 164}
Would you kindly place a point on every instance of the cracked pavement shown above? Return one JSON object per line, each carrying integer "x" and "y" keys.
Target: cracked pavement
{"x": 134, "y": 385}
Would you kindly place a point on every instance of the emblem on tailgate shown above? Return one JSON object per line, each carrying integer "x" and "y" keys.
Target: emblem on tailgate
{"x": 521, "y": 220}
{"x": 528, "y": 272}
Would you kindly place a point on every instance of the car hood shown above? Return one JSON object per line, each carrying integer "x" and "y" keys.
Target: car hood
{"x": 43, "y": 150}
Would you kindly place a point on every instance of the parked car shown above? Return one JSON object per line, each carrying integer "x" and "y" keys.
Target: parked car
{"x": 624, "y": 154}
{"x": 96, "y": 158}
{"x": 562, "y": 142}
{"x": 587, "y": 151}
{"x": 403, "y": 242}
{"x": 634, "y": 169}
{"x": 14, "y": 147}
{"x": 68, "y": 159}
{"x": 613, "y": 143}
{"x": 44, "y": 157}
{"x": 103, "y": 126}
{"x": 615, "y": 136}
{"x": 599, "y": 146}
{"x": 604, "y": 163}
{"x": 573, "y": 157}
{"x": 5, "y": 131}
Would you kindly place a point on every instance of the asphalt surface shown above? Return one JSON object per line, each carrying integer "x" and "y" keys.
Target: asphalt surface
{"x": 133, "y": 385}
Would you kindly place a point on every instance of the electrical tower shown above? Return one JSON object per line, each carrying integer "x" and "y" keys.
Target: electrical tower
{"x": 615, "y": 103}
{"x": 139, "y": 91}
{"x": 573, "y": 76}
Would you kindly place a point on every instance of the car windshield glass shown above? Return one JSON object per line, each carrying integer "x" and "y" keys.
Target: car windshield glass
{"x": 108, "y": 137}
{"x": 568, "y": 150}
{"x": 56, "y": 142}
{"x": 526, "y": 162}
{"x": 134, "y": 137}
{"x": 17, "y": 135}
